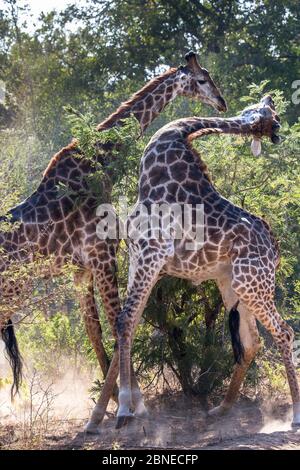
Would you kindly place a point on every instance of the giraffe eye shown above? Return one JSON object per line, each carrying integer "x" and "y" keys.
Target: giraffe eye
{"x": 202, "y": 82}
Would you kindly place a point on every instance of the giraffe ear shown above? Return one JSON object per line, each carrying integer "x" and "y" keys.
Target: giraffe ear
{"x": 190, "y": 55}
{"x": 268, "y": 101}
{"x": 192, "y": 62}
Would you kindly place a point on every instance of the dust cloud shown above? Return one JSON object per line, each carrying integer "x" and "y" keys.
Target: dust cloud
{"x": 44, "y": 399}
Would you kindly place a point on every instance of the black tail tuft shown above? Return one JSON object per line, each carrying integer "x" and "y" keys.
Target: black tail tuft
{"x": 13, "y": 355}
{"x": 234, "y": 327}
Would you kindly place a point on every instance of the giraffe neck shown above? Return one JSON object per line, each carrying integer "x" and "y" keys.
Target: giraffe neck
{"x": 170, "y": 158}
{"x": 65, "y": 167}
{"x": 195, "y": 127}
{"x": 148, "y": 102}
{"x": 145, "y": 105}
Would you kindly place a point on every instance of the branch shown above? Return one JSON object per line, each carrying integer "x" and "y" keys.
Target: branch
{"x": 257, "y": 185}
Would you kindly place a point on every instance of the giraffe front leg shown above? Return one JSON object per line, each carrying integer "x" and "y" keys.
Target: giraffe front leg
{"x": 108, "y": 288}
{"x": 98, "y": 413}
{"x": 139, "y": 407}
{"x": 296, "y": 415}
{"x": 284, "y": 339}
{"x": 142, "y": 281}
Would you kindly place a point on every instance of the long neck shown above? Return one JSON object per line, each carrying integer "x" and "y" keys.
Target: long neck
{"x": 147, "y": 103}
{"x": 195, "y": 127}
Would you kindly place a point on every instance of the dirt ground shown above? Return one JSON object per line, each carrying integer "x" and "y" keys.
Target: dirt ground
{"x": 175, "y": 423}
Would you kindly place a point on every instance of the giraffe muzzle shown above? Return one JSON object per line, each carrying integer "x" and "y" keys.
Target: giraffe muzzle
{"x": 222, "y": 106}
{"x": 275, "y": 138}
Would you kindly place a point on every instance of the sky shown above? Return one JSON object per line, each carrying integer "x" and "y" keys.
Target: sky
{"x": 37, "y": 6}
{"x": 46, "y": 5}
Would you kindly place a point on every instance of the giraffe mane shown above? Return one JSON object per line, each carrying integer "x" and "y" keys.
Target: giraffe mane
{"x": 203, "y": 132}
{"x": 59, "y": 155}
{"x": 196, "y": 135}
{"x": 148, "y": 88}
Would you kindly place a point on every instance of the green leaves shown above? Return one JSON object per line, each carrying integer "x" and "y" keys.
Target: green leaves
{"x": 257, "y": 91}
{"x": 83, "y": 130}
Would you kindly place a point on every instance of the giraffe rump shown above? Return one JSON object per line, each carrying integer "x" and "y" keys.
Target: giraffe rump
{"x": 13, "y": 355}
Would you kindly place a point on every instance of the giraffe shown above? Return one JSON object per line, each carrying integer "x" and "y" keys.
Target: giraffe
{"x": 57, "y": 226}
{"x": 238, "y": 249}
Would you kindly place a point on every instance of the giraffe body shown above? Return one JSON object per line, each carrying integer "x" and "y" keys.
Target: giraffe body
{"x": 238, "y": 251}
{"x": 63, "y": 226}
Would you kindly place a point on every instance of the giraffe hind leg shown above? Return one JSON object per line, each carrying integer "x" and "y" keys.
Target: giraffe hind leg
{"x": 91, "y": 320}
{"x": 259, "y": 298}
{"x": 245, "y": 341}
{"x": 234, "y": 328}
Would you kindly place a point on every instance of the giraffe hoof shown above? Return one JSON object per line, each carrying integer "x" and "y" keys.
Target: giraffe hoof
{"x": 92, "y": 428}
{"x": 295, "y": 425}
{"x": 142, "y": 415}
{"x": 141, "y": 411}
{"x": 296, "y": 416}
{"x": 123, "y": 421}
{"x": 217, "y": 411}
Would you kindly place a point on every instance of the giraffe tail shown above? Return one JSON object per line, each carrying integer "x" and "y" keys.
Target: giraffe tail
{"x": 234, "y": 327}
{"x": 13, "y": 355}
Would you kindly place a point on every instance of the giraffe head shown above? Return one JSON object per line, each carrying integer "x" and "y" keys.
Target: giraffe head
{"x": 263, "y": 121}
{"x": 195, "y": 82}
